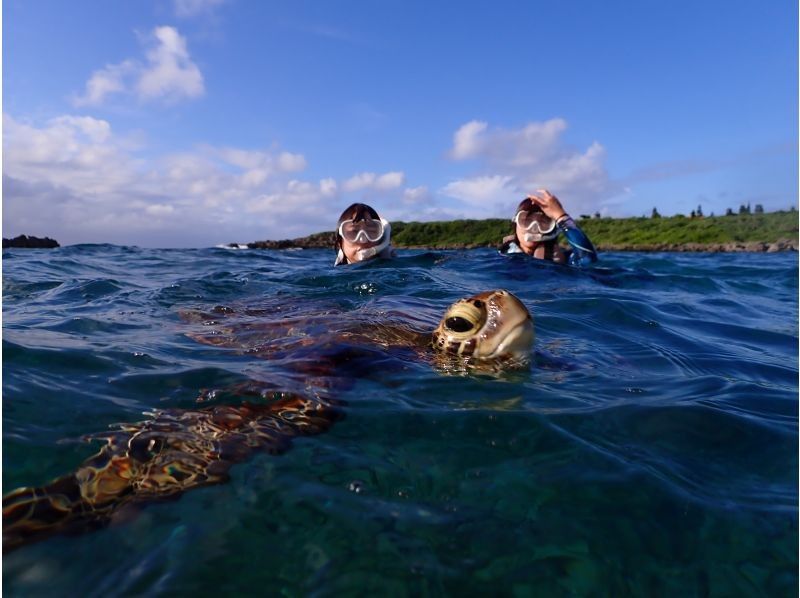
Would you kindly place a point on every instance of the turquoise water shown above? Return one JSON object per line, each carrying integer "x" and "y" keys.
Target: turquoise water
{"x": 651, "y": 449}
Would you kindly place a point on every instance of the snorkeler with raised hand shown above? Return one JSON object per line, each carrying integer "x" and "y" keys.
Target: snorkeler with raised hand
{"x": 362, "y": 235}
{"x": 539, "y": 220}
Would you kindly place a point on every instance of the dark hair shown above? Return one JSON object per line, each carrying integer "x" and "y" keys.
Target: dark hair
{"x": 527, "y": 205}
{"x": 354, "y": 212}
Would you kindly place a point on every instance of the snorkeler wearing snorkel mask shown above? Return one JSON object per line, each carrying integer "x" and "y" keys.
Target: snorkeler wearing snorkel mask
{"x": 362, "y": 235}
{"x": 538, "y": 221}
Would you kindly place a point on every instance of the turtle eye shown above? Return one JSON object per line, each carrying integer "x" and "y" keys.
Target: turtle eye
{"x": 458, "y": 324}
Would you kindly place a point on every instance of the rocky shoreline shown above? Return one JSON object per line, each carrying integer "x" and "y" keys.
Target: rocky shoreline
{"x": 326, "y": 241}
{"x": 317, "y": 241}
{"x": 747, "y": 246}
{"x": 27, "y": 242}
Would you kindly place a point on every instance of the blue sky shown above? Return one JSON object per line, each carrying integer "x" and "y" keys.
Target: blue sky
{"x": 198, "y": 122}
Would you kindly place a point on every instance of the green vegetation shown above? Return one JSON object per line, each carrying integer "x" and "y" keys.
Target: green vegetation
{"x": 765, "y": 228}
{"x": 741, "y": 228}
{"x": 452, "y": 232}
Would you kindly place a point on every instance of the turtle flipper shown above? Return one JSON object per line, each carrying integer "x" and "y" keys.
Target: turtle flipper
{"x": 160, "y": 458}
{"x": 33, "y": 513}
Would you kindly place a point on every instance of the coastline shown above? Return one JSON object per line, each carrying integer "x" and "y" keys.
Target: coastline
{"x": 326, "y": 241}
{"x": 733, "y": 247}
{"x": 753, "y": 233}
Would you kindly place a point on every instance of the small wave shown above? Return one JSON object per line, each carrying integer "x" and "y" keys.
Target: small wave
{"x": 87, "y": 290}
{"x": 91, "y": 326}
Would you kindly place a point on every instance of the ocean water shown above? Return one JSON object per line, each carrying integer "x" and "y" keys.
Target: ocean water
{"x": 651, "y": 449}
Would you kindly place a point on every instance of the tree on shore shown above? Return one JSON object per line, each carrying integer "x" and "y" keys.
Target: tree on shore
{"x": 729, "y": 212}
{"x": 759, "y": 209}
{"x": 655, "y": 214}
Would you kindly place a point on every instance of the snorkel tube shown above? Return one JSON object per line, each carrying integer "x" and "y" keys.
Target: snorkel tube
{"x": 541, "y": 237}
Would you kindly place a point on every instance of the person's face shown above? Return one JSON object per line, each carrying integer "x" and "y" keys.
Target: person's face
{"x": 359, "y": 235}
{"x": 530, "y": 227}
{"x": 526, "y": 243}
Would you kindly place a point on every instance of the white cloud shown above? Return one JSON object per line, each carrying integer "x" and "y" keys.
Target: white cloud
{"x": 254, "y": 177}
{"x": 416, "y": 195}
{"x": 481, "y": 191}
{"x": 467, "y": 140}
{"x": 159, "y": 209}
{"x": 73, "y": 175}
{"x": 79, "y": 175}
{"x": 328, "y": 187}
{"x": 74, "y": 179}
{"x": 576, "y": 170}
{"x": 370, "y": 180}
{"x": 390, "y": 180}
{"x": 68, "y": 149}
{"x": 259, "y": 164}
{"x": 513, "y": 162}
{"x": 95, "y": 130}
{"x": 359, "y": 181}
{"x": 242, "y": 158}
{"x": 168, "y": 73}
{"x": 82, "y": 181}
{"x": 533, "y": 143}
{"x": 193, "y": 8}
{"x": 291, "y": 162}
{"x": 105, "y": 82}
{"x": 295, "y": 198}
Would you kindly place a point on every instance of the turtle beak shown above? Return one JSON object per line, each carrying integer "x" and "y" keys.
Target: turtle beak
{"x": 508, "y": 330}
{"x": 517, "y": 342}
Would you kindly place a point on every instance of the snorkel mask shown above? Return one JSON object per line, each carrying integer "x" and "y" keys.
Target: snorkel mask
{"x": 538, "y": 226}
{"x": 362, "y": 231}
{"x": 365, "y": 231}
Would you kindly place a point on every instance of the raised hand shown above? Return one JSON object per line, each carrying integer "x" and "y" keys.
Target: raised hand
{"x": 549, "y": 203}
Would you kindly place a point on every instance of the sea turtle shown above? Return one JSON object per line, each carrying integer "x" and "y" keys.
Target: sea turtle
{"x": 179, "y": 449}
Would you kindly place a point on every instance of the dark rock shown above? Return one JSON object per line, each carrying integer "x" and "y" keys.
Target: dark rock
{"x": 284, "y": 244}
{"x": 782, "y": 245}
{"x": 30, "y": 242}
{"x": 315, "y": 241}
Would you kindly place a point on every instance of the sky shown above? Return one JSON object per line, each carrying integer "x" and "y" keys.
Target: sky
{"x": 191, "y": 123}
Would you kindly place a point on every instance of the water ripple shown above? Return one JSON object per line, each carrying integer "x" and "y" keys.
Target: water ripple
{"x": 651, "y": 447}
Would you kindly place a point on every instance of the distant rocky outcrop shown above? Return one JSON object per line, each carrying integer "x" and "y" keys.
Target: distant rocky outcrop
{"x": 30, "y": 242}
{"x": 315, "y": 241}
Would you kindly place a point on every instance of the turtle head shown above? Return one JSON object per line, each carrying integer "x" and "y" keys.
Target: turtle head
{"x": 489, "y": 326}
